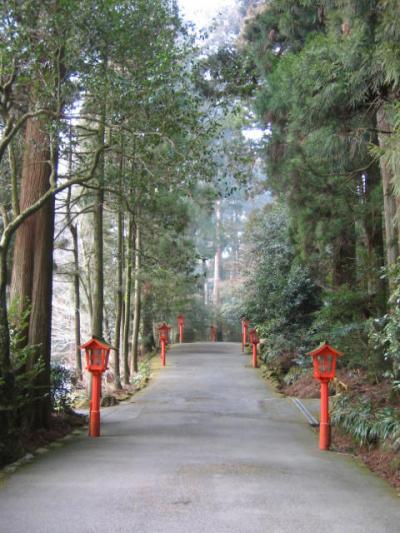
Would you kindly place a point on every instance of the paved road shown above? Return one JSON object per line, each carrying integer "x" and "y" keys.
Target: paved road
{"x": 206, "y": 448}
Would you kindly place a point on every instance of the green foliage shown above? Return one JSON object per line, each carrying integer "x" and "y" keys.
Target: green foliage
{"x": 321, "y": 83}
{"x": 61, "y": 379}
{"x": 295, "y": 373}
{"x": 26, "y": 364}
{"x": 364, "y": 422}
{"x": 281, "y": 297}
{"x": 385, "y": 333}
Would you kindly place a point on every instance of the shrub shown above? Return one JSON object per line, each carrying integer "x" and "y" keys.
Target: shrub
{"x": 61, "y": 387}
{"x": 366, "y": 424}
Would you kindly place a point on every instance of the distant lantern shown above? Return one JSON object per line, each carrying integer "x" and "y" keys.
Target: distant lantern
{"x": 254, "y": 340}
{"x": 245, "y": 325}
{"x": 181, "y": 323}
{"x": 163, "y": 332}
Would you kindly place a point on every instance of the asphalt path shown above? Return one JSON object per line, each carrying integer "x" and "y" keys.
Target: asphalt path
{"x": 206, "y": 448}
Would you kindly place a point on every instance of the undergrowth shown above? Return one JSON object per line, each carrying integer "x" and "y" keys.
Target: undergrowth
{"x": 364, "y": 422}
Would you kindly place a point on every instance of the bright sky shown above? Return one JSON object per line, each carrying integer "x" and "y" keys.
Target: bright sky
{"x": 201, "y": 12}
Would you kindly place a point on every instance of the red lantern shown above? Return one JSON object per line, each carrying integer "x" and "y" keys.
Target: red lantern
{"x": 324, "y": 362}
{"x": 181, "y": 323}
{"x": 97, "y": 353}
{"x": 163, "y": 331}
{"x": 245, "y": 325}
{"x": 254, "y": 341}
{"x": 213, "y": 332}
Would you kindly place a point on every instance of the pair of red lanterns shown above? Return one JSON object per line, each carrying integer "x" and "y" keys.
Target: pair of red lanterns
{"x": 254, "y": 340}
{"x": 324, "y": 364}
{"x": 97, "y": 353}
{"x": 163, "y": 332}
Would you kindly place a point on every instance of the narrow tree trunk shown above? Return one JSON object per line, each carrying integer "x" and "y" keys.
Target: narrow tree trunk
{"x": 373, "y": 227}
{"x": 389, "y": 202}
{"x": 4, "y": 326}
{"x": 33, "y": 263}
{"x": 119, "y": 302}
{"x": 77, "y": 300}
{"x": 10, "y": 445}
{"x": 205, "y": 281}
{"x": 98, "y": 255}
{"x": 217, "y": 259}
{"x": 345, "y": 255}
{"x": 137, "y": 301}
{"x": 148, "y": 342}
{"x": 87, "y": 285}
{"x": 76, "y": 281}
{"x": 127, "y": 301}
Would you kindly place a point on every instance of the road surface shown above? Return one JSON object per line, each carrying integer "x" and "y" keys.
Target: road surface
{"x": 206, "y": 448}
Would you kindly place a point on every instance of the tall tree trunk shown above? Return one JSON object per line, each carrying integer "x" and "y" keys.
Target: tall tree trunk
{"x": 119, "y": 303}
{"x": 77, "y": 299}
{"x": 87, "y": 284}
{"x": 148, "y": 341}
{"x": 389, "y": 201}
{"x": 33, "y": 263}
{"x": 344, "y": 255}
{"x": 73, "y": 229}
{"x": 10, "y": 443}
{"x": 98, "y": 251}
{"x": 137, "y": 300}
{"x": 205, "y": 280}
{"x": 127, "y": 301}
{"x": 4, "y": 325}
{"x": 218, "y": 254}
{"x": 373, "y": 227}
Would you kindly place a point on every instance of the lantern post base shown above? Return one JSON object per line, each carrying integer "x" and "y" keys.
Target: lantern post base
{"x": 163, "y": 358}
{"x": 94, "y": 417}
{"x": 94, "y": 424}
{"x": 324, "y": 425}
{"x": 255, "y": 356}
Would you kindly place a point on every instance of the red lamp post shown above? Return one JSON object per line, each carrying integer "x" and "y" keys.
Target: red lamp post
{"x": 213, "y": 331}
{"x": 254, "y": 341}
{"x": 163, "y": 331}
{"x": 181, "y": 323}
{"x": 324, "y": 362}
{"x": 245, "y": 325}
{"x": 97, "y": 353}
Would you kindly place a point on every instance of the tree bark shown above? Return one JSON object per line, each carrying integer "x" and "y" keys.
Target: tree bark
{"x": 137, "y": 301}
{"x": 119, "y": 303}
{"x": 77, "y": 298}
{"x": 33, "y": 263}
{"x": 127, "y": 301}
{"x": 218, "y": 255}
{"x": 344, "y": 255}
{"x": 389, "y": 201}
{"x": 73, "y": 229}
{"x": 373, "y": 227}
{"x": 148, "y": 341}
{"x": 98, "y": 248}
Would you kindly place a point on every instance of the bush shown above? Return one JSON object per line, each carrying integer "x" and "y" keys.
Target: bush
{"x": 364, "y": 423}
{"x": 61, "y": 387}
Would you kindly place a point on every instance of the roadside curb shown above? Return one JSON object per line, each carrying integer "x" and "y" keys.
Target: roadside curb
{"x": 305, "y": 412}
